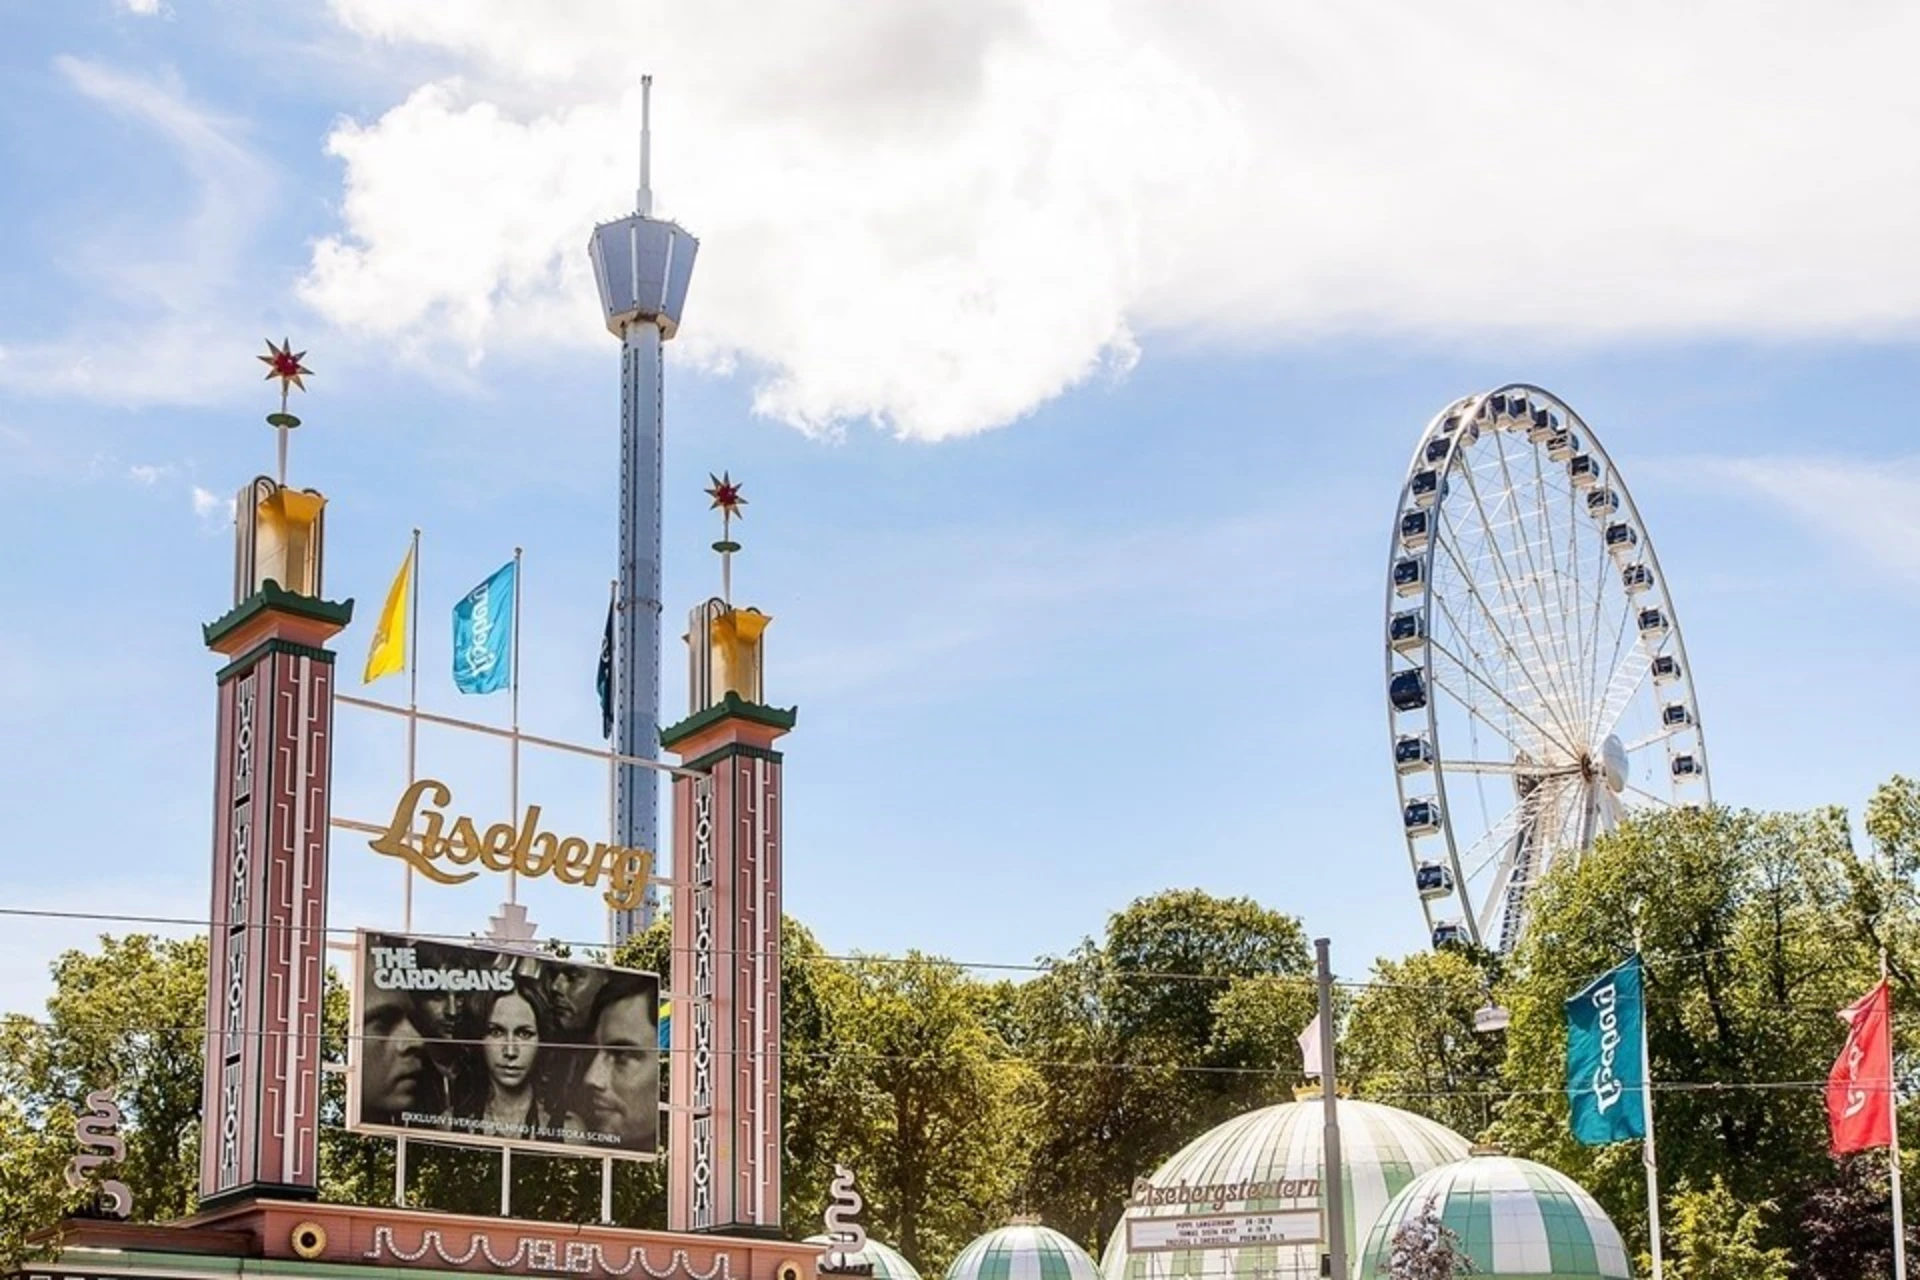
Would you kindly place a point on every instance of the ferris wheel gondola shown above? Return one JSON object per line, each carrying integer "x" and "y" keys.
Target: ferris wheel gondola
{"x": 1538, "y": 690}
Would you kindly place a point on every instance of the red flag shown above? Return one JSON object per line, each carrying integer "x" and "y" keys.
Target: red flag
{"x": 1860, "y": 1090}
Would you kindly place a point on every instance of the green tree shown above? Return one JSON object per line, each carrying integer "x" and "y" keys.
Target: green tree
{"x": 1185, "y": 1014}
{"x": 1716, "y": 1236}
{"x": 33, "y": 1193}
{"x": 1748, "y": 923}
{"x": 1887, "y": 885}
{"x": 931, "y": 1108}
{"x": 1410, "y": 1040}
{"x": 129, "y": 1017}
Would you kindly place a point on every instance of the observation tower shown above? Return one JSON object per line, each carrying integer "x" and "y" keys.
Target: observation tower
{"x": 642, "y": 266}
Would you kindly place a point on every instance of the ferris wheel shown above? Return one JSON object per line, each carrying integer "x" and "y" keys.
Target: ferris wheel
{"x": 1538, "y": 690}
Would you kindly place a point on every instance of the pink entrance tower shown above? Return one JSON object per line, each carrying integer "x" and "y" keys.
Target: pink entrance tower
{"x": 273, "y": 761}
{"x": 726, "y": 1140}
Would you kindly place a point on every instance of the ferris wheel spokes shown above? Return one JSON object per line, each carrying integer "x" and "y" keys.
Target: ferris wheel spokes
{"x": 1562, "y": 701}
{"x": 1511, "y": 663}
{"x": 1477, "y": 678}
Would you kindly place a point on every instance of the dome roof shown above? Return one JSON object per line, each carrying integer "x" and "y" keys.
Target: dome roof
{"x": 1515, "y": 1219}
{"x": 1023, "y": 1251}
{"x": 886, "y": 1262}
{"x": 1274, "y": 1159}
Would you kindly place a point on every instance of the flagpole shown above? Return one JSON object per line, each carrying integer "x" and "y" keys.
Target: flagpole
{"x": 1648, "y": 1157}
{"x": 413, "y": 748}
{"x": 413, "y": 702}
{"x": 513, "y": 781}
{"x": 1893, "y": 1140}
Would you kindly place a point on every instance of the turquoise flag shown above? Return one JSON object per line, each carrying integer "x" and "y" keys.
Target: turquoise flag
{"x": 1606, "y": 1068}
{"x": 483, "y": 634}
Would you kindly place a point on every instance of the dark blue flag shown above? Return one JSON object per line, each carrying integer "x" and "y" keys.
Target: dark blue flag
{"x": 604, "y": 680}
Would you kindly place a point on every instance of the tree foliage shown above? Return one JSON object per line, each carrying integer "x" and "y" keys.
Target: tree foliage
{"x": 1717, "y": 1237}
{"x": 1410, "y": 1040}
{"x": 1185, "y": 1014}
{"x": 127, "y": 1017}
{"x": 932, "y": 1107}
{"x": 1753, "y": 937}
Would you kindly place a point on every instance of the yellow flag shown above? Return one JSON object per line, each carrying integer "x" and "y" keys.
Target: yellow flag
{"x": 389, "y": 651}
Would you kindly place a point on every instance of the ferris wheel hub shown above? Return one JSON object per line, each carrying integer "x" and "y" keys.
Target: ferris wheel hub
{"x": 1613, "y": 763}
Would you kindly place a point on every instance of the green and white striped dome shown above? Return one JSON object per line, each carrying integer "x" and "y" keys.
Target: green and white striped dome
{"x": 1023, "y": 1251}
{"x": 1257, "y": 1163}
{"x": 886, "y": 1262}
{"x": 1517, "y": 1220}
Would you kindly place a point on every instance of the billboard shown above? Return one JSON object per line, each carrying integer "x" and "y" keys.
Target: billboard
{"x": 461, "y": 1042}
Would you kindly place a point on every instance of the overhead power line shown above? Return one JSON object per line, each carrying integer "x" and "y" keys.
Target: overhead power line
{"x": 1108, "y": 971}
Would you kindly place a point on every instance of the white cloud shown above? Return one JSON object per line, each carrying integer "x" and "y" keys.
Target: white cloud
{"x": 215, "y": 512}
{"x": 1865, "y": 508}
{"x": 145, "y": 8}
{"x": 150, "y": 474}
{"x": 168, "y": 289}
{"x": 940, "y": 216}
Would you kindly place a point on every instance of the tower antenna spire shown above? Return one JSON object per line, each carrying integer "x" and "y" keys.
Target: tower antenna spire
{"x": 283, "y": 363}
{"x": 727, "y": 500}
{"x": 643, "y": 203}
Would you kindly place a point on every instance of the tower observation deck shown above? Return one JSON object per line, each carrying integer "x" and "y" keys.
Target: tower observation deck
{"x": 642, "y": 266}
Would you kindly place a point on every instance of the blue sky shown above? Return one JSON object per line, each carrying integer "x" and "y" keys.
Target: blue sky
{"x": 1072, "y": 451}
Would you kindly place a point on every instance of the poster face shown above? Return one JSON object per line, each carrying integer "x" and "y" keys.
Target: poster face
{"x": 465, "y": 1043}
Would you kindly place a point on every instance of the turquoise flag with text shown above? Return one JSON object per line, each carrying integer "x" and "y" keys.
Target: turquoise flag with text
{"x": 1606, "y": 1070}
{"x": 483, "y": 634}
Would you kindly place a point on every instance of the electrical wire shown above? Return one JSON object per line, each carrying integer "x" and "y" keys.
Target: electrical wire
{"x": 783, "y": 1052}
{"x": 1107, "y": 971}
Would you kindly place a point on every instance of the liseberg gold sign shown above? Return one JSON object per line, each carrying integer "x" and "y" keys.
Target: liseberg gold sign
{"x": 506, "y": 847}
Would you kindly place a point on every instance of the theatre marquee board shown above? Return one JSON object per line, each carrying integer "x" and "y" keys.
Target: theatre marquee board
{"x": 460, "y": 1042}
{"x": 1223, "y": 1230}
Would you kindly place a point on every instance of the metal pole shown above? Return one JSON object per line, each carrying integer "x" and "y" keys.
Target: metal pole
{"x": 533, "y": 739}
{"x": 413, "y": 710}
{"x": 506, "y": 1182}
{"x": 606, "y": 1190}
{"x": 400, "y": 1172}
{"x": 643, "y": 198}
{"x": 1331, "y": 1182}
{"x": 513, "y": 780}
{"x": 1893, "y": 1141}
{"x": 1648, "y": 1156}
